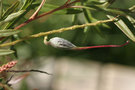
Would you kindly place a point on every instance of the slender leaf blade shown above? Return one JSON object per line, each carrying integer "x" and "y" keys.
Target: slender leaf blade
{"x": 5, "y": 52}
{"x": 11, "y": 9}
{"x": 26, "y": 6}
{"x": 8, "y": 32}
{"x": 14, "y": 15}
{"x": 1, "y": 9}
{"x": 49, "y": 7}
{"x": 124, "y": 28}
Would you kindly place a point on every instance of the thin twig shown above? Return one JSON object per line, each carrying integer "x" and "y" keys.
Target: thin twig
{"x": 47, "y": 13}
{"x": 36, "y": 12}
{"x": 56, "y": 31}
{"x": 32, "y": 70}
{"x": 67, "y": 1}
{"x": 10, "y": 78}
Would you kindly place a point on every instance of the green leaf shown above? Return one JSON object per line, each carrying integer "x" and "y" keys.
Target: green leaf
{"x": 124, "y": 28}
{"x": 26, "y": 6}
{"x": 14, "y": 15}
{"x": 1, "y": 9}
{"x": 49, "y": 7}
{"x": 132, "y": 9}
{"x": 11, "y": 9}
{"x": 132, "y": 20}
{"x": 89, "y": 19}
{"x": 108, "y": 3}
{"x": 8, "y": 32}
{"x": 2, "y": 88}
{"x": 5, "y": 52}
{"x": 96, "y": 3}
{"x": 116, "y": 11}
{"x": 108, "y": 10}
{"x": 1, "y": 79}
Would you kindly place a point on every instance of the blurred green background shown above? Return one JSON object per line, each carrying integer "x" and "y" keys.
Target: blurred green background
{"x": 36, "y": 48}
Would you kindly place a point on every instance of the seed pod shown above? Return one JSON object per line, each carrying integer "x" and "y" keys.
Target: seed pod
{"x": 58, "y": 42}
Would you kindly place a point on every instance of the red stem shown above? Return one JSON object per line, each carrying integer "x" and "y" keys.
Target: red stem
{"x": 66, "y": 5}
{"x": 34, "y": 17}
{"x": 101, "y": 46}
{"x": 36, "y": 12}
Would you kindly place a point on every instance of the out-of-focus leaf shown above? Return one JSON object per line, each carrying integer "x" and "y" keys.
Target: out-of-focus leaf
{"x": 108, "y": 3}
{"x": 8, "y": 32}
{"x": 108, "y": 10}
{"x": 132, "y": 9}
{"x": 5, "y": 52}
{"x": 89, "y": 19}
{"x": 116, "y": 11}
{"x": 35, "y": 4}
{"x": 92, "y": 2}
{"x": 75, "y": 16}
{"x": 1, "y": 79}
{"x": 18, "y": 79}
{"x": 26, "y": 6}
{"x": 11, "y": 9}
{"x": 14, "y": 15}
{"x": 2, "y": 88}
{"x": 96, "y": 3}
{"x": 132, "y": 20}
{"x": 124, "y": 28}
{"x": 1, "y": 9}
{"x": 49, "y": 7}
{"x": 72, "y": 11}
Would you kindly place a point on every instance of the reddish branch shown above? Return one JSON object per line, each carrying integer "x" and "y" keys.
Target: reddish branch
{"x": 34, "y": 17}
{"x": 36, "y": 12}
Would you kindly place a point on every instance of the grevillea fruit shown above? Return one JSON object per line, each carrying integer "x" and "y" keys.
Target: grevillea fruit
{"x": 58, "y": 42}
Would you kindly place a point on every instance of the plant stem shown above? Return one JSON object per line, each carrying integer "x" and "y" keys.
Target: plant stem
{"x": 101, "y": 46}
{"x": 56, "y": 31}
{"x": 66, "y": 5}
{"x": 36, "y": 12}
{"x": 32, "y": 70}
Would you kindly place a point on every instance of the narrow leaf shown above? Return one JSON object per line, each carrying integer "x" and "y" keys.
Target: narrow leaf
{"x": 1, "y": 9}
{"x": 132, "y": 9}
{"x": 14, "y": 15}
{"x": 108, "y": 10}
{"x": 49, "y": 7}
{"x": 1, "y": 79}
{"x": 132, "y": 20}
{"x": 11, "y": 9}
{"x": 8, "y": 32}
{"x": 124, "y": 28}
{"x": 5, "y": 52}
{"x": 18, "y": 79}
{"x": 26, "y": 6}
